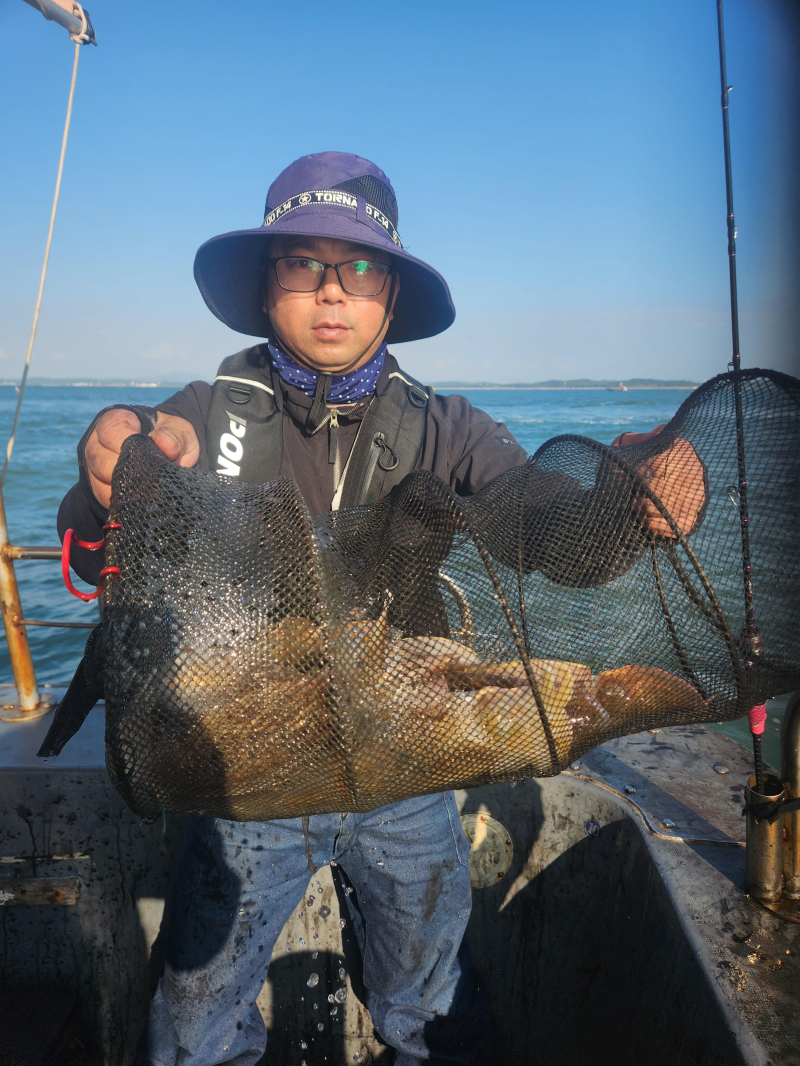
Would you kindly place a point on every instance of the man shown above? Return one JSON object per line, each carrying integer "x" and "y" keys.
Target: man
{"x": 327, "y": 282}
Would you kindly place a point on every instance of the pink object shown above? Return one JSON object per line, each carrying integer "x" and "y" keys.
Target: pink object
{"x": 757, "y": 717}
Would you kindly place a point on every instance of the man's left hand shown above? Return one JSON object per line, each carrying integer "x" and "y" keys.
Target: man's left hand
{"x": 676, "y": 477}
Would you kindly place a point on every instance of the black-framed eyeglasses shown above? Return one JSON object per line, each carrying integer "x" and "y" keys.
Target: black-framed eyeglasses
{"x": 358, "y": 277}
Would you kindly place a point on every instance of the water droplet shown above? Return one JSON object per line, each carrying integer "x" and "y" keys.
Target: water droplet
{"x": 316, "y": 936}
{"x": 313, "y": 980}
{"x": 340, "y": 995}
{"x": 299, "y": 914}
{"x": 319, "y": 889}
{"x": 334, "y": 1011}
{"x": 380, "y": 862}
{"x": 348, "y": 890}
{"x": 288, "y": 951}
{"x": 316, "y": 1006}
{"x": 310, "y": 901}
{"x": 334, "y": 863}
{"x": 303, "y": 1045}
{"x": 301, "y": 942}
{"x": 324, "y": 911}
{"x": 358, "y": 1057}
{"x": 331, "y": 998}
{"x": 342, "y": 923}
{"x": 315, "y": 955}
{"x": 320, "y": 1026}
{"x": 342, "y": 973}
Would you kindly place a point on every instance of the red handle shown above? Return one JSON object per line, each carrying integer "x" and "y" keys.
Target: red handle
{"x": 757, "y": 717}
{"x": 90, "y": 545}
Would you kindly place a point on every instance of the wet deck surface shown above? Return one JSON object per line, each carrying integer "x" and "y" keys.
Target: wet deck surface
{"x": 670, "y": 774}
{"x": 752, "y": 956}
{"x": 66, "y": 808}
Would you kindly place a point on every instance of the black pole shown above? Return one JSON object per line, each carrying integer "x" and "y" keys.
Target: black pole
{"x": 726, "y": 141}
{"x": 750, "y": 637}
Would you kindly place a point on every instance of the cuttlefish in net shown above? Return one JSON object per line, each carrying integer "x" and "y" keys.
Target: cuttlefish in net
{"x": 376, "y": 714}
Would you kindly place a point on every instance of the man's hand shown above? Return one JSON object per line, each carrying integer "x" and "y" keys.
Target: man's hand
{"x": 174, "y": 436}
{"x": 676, "y": 477}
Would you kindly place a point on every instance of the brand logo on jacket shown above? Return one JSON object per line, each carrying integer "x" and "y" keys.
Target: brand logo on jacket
{"x": 231, "y": 447}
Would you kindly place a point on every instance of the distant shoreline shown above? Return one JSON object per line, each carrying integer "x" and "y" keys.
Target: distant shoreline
{"x": 67, "y": 384}
{"x": 97, "y": 384}
{"x": 565, "y": 388}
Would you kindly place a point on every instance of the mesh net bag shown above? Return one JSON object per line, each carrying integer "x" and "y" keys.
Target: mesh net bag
{"x": 260, "y": 664}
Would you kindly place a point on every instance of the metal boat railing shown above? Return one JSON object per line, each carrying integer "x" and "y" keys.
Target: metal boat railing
{"x": 30, "y": 702}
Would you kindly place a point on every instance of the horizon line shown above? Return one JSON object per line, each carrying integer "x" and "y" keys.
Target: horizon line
{"x": 598, "y": 383}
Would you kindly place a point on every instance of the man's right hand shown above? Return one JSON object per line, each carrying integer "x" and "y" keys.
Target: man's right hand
{"x": 174, "y": 436}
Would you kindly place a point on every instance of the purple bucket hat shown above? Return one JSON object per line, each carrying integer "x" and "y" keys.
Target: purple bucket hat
{"x": 329, "y": 194}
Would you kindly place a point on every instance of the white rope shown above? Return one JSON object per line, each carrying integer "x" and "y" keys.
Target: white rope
{"x": 83, "y": 36}
{"x": 78, "y": 38}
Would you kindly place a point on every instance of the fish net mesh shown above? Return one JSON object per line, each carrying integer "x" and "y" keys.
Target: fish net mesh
{"x": 261, "y": 664}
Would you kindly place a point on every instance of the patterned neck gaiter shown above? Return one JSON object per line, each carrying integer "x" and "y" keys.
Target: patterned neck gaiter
{"x": 345, "y": 388}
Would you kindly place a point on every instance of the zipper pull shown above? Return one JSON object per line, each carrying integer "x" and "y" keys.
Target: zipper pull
{"x": 334, "y": 452}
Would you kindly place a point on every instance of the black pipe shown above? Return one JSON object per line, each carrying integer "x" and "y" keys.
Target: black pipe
{"x": 750, "y": 647}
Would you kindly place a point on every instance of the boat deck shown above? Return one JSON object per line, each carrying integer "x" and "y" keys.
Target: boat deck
{"x": 632, "y": 938}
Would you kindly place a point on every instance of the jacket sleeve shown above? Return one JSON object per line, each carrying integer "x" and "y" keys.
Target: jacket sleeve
{"x": 467, "y": 447}
{"x": 537, "y": 519}
{"x": 80, "y": 511}
{"x": 574, "y": 536}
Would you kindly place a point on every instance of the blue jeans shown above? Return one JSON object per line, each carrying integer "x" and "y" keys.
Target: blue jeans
{"x": 238, "y": 883}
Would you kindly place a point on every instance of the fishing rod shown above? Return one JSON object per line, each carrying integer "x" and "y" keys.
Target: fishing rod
{"x": 750, "y": 640}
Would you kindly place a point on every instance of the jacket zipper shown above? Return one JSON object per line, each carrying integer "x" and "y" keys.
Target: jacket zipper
{"x": 333, "y": 448}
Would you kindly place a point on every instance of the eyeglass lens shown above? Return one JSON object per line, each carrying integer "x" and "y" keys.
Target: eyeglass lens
{"x": 358, "y": 278}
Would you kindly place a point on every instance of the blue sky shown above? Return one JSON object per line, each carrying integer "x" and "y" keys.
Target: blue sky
{"x": 559, "y": 163}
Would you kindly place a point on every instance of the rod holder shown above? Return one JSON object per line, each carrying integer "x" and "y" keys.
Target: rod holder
{"x": 790, "y": 772}
{"x": 764, "y": 841}
{"x": 29, "y": 703}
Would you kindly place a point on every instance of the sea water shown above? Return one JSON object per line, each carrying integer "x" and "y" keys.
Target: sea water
{"x": 44, "y": 466}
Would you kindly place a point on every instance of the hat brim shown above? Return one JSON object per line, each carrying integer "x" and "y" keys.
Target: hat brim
{"x": 227, "y": 270}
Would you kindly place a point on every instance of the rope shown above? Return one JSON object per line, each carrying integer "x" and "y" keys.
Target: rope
{"x": 78, "y": 39}
{"x": 83, "y": 36}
